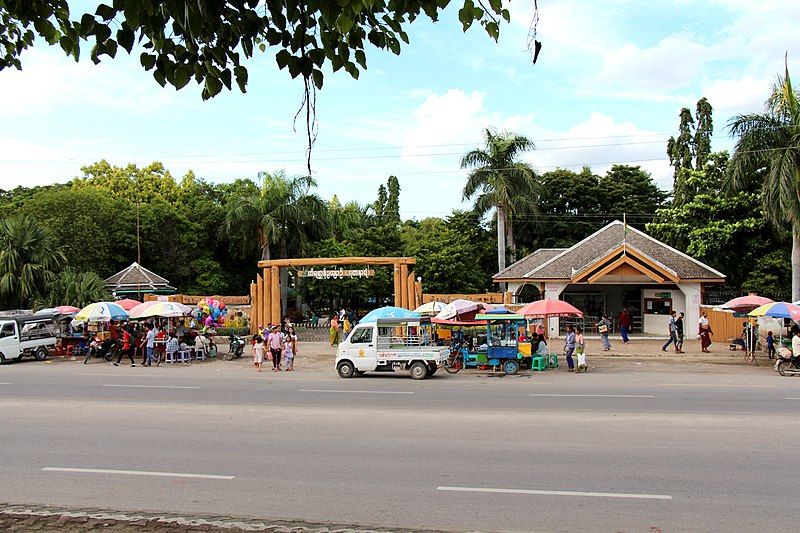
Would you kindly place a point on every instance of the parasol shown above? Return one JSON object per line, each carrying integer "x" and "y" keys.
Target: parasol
{"x": 388, "y": 312}
{"x": 101, "y": 312}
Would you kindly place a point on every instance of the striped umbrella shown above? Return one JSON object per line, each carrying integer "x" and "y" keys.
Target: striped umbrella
{"x": 101, "y": 312}
{"x": 160, "y": 309}
{"x": 127, "y": 304}
{"x": 778, "y": 310}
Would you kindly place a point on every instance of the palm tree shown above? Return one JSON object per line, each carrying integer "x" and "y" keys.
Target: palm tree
{"x": 75, "y": 288}
{"x": 283, "y": 213}
{"x": 499, "y": 182}
{"x": 29, "y": 254}
{"x": 768, "y": 150}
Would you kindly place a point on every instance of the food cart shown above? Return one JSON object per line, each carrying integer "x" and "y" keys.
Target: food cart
{"x": 502, "y": 347}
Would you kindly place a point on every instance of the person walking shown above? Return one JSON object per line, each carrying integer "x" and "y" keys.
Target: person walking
{"x": 625, "y": 323}
{"x": 705, "y": 332}
{"x": 334, "y": 330}
{"x": 258, "y": 351}
{"x": 290, "y": 348}
{"x": 603, "y": 328}
{"x": 679, "y": 333}
{"x": 580, "y": 350}
{"x": 569, "y": 348}
{"x": 673, "y": 338}
{"x": 346, "y": 327}
{"x": 275, "y": 348}
{"x": 127, "y": 347}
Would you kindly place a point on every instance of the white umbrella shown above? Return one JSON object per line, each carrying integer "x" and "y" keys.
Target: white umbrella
{"x": 457, "y": 307}
{"x": 430, "y": 308}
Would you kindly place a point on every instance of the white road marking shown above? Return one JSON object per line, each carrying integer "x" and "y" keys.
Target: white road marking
{"x": 357, "y": 391}
{"x": 558, "y": 493}
{"x": 5, "y": 383}
{"x": 719, "y": 385}
{"x": 786, "y": 398}
{"x": 149, "y": 386}
{"x": 594, "y": 395}
{"x": 133, "y": 473}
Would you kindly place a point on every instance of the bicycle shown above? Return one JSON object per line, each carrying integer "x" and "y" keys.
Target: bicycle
{"x": 455, "y": 361}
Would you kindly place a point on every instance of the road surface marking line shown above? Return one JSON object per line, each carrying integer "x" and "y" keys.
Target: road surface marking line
{"x": 5, "y": 383}
{"x": 786, "y": 398}
{"x": 717, "y": 385}
{"x": 150, "y": 386}
{"x": 133, "y": 473}
{"x": 357, "y": 391}
{"x": 594, "y": 395}
{"x": 559, "y": 493}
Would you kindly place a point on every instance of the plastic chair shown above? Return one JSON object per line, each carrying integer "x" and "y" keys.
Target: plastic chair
{"x": 183, "y": 356}
{"x": 552, "y": 360}
{"x": 199, "y": 354}
{"x": 538, "y": 364}
{"x": 169, "y": 357}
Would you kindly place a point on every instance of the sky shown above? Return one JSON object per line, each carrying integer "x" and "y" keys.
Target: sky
{"x": 607, "y": 88}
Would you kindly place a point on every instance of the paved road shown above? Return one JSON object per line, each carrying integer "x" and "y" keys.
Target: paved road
{"x": 627, "y": 451}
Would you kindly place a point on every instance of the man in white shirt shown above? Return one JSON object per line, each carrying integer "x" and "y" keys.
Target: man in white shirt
{"x": 796, "y": 344}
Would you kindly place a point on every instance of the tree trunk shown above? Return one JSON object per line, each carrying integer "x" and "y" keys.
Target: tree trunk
{"x": 795, "y": 262}
{"x": 512, "y": 244}
{"x": 265, "y": 252}
{"x": 501, "y": 242}
{"x": 284, "y": 280}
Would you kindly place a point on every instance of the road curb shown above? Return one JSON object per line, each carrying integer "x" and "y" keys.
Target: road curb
{"x": 152, "y": 521}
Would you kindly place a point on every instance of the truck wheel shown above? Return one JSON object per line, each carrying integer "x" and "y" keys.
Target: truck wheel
{"x": 511, "y": 367}
{"x": 346, "y": 369}
{"x": 41, "y": 354}
{"x": 419, "y": 370}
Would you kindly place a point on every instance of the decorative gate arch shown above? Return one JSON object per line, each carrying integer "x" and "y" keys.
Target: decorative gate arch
{"x": 265, "y": 293}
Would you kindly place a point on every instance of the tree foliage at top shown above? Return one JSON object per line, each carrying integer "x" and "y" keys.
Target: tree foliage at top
{"x": 183, "y": 40}
{"x": 692, "y": 147}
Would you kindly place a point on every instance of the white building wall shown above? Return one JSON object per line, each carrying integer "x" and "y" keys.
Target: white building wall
{"x": 552, "y": 290}
{"x": 693, "y": 298}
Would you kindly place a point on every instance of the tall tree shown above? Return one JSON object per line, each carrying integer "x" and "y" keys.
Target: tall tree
{"x": 679, "y": 149}
{"x": 692, "y": 148}
{"x": 498, "y": 181}
{"x": 393, "y": 201}
{"x": 768, "y": 151}
{"x": 703, "y": 133}
{"x": 284, "y": 214}
{"x": 29, "y": 256}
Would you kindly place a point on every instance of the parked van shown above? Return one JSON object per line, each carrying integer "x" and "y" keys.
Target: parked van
{"x": 30, "y": 335}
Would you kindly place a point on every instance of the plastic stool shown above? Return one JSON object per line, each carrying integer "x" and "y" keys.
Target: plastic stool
{"x": 199, "y": 354}
{"x": 183, "y": 356}
{"x": 538, "y": 364}
{"x": 552, "y": 360}
{"x": 169, "y": 357}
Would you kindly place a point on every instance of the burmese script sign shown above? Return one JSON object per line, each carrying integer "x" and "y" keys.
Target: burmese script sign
{"x": 336, "y": 273}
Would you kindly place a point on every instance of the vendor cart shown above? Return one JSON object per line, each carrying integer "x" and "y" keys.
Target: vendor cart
{"x": 502, "y": 347}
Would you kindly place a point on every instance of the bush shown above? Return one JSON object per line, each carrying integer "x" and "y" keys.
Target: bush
{"x": 241, "y": 332}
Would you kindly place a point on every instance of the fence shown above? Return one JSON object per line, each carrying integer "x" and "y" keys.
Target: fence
{"x": 723, "y": 323}
{"x": 486, "y": 297}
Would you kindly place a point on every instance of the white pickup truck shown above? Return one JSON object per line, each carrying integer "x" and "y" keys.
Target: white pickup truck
{"x": 26, "y": 335}
{"x": 389, "y": 345}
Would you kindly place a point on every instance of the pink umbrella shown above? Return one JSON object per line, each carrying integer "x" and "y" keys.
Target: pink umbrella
{"x": 136, "y": 311}
{"x": 548, "y": 308}
{"x": 66, "y": 310}
{"x": 127, "y": 304}
{"x": 745, "y": 304}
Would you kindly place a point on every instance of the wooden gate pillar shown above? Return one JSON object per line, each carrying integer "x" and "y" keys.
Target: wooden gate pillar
{"x": 276, "y": 295}
{"x": 265, "y": 296}
{"x": 404, "y": 286}
{"x": 397, "y": 298}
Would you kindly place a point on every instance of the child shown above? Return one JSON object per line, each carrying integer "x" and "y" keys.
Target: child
{"x": 580, "y": 350}
{"x": 172, "y": 346}
{"x": 291, "y": 348}
{"x": 770, "y": 345}
{"x": 258, "y": 351}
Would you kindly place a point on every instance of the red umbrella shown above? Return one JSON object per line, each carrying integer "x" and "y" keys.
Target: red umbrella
{"x": 547, "y": 308}
{"x": 66, "y": 310}
{"x": 745, "y": 304}
{"x": 127, "y": 304}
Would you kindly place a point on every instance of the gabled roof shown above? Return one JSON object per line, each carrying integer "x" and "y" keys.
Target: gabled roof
{"x": 527, "y": 264}
{"x": 599, "y": 245}
{"x": 137, "y": 278}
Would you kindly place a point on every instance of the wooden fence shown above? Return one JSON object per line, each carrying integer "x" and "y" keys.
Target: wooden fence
{"x": 486, "y": 297}
{"x": 724, "y": 325}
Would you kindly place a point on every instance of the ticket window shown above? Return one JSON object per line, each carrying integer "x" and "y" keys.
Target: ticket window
{"x": 657, "y": 306}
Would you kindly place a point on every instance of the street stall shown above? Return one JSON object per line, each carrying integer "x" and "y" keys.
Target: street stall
{"x": 503, "y": 347}
{"x": 98, "y": 318}
{"x": 546, "y": 309}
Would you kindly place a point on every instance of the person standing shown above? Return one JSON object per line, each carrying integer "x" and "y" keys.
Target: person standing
{"x": 127, "y": 347}
{"x": 258, "y": 351}
{"x": 679, "y": 333}
{"x": 603, "y": 328}
{"x": 705, "y": 332}
{"x": 770, "y": 345}
{"x": 673, "y": 338}
{"x": 290, "y": 348}
{"x": 275, "y": 348}
{"x": 334, "y": 330}
{"x": 569, "y": 348}
{"x": 346, "y": 327}
{"x": 625, "y": 323}
{"x": 150, "y": 344}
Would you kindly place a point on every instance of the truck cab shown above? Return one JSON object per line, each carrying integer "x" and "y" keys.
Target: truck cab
{"x": 26, "y": 335}
{"x": 389, "y": 345}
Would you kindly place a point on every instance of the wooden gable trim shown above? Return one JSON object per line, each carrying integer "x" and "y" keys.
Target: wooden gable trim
{"x": 625, "y": 260}
{"x": 624, "y": 254}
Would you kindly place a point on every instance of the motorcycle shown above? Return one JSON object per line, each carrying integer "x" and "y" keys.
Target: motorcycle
{"x": 235, "y": 347}
{"x": 106, "y": 350}
{"x": 455, "y": 361}
{"x": 788, "y": 366}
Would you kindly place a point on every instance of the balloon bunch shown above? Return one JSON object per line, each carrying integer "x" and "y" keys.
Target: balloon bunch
{"x": 210, "y": 312}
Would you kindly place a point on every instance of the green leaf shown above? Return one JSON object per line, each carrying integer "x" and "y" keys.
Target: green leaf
{"x": 105, "y": 12}
{"x": 361, "y": 58}
{"x": 181, "y": 77}
{"x": 87, "y": 24}
{"x": 111, "y": 47}
{"x": 125, "y": 38}
{"x": 241, "y": 77}
{"x": 160, "y": 76}
{"x": 493, "y": 30}
{"x": 148, "y": 60}
{"x": 225, "y": 76}
{"x": 317, "y": 77}
{"x": 213, "y": 86}
{"x": 344, "y": 23}
{"x": 282, "y": 58}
